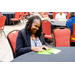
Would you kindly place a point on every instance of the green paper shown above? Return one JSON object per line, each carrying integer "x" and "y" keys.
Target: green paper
{"x": 44, "y": 52}
{"x": 49, "y": 51}
{"x": 54, "y": 51}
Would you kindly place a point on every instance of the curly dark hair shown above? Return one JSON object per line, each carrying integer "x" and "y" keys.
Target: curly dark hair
{"x": 29, "y": 24}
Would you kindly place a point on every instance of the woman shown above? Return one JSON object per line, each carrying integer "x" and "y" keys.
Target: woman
{"x": 70, "y": 21}
{"x": 30, "y": 38}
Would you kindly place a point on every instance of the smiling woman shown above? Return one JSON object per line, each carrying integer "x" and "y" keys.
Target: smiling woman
{"x": 30, "y": 38}
{"x": 33, "y": 24}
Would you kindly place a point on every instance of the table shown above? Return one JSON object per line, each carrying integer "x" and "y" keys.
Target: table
{"x": 67, "y": 54}
{"x": 57, "y": 23}
{"x": 8, "y": 15}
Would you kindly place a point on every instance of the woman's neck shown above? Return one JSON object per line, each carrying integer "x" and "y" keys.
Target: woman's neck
{"x": 33, "y": 35}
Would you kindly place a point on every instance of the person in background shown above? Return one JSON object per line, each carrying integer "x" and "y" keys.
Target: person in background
{"x": 30, "y": 38}
{"x": 42, "y": 15}
{"x": 45, "y": 16}
{"x": 60, "y": 15}
{"x": 38, "y": 14}
{"x": 70, "y": 21}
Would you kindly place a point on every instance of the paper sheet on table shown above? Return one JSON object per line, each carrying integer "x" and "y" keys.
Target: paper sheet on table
{"x": 51, "y": 50}
{"x": 54, "y": 51}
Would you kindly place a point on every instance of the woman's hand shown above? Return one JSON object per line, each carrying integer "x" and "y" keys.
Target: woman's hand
{"x": 45, "y": 47}
{"x": 36, "y": 49}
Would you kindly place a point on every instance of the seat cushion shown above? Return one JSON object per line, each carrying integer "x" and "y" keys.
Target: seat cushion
{"x": 14, "y": 19}
{"x": 48, "y": 36}
{"x": 1, "y": 28}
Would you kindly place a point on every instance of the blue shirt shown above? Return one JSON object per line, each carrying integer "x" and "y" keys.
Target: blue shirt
{"x": 70, "y": 23}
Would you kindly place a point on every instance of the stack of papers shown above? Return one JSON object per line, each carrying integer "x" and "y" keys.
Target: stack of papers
{"x": 48, "y": 52}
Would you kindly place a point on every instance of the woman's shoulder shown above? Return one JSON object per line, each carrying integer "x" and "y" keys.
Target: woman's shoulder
{"x": 22, "y": 31}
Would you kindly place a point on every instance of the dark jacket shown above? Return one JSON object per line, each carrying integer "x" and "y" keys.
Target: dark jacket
{"x": 23, "y": 43}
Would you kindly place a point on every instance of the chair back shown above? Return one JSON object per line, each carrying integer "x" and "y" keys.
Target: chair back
{"x": 21, "y": 15}
{"x": 46, "y": 26}
{"x": 62, "y": 37}
{"x": 12, "y": 36}
{"x": 26, "y": 13}
{"x": 17, "y": 14}
{"x": 2, "y": 21}
{"x": 68, "y": 15}
{"x": 73, "y": 30}
{"x": 54, "y": 14}
{"x": 47, "y": 12}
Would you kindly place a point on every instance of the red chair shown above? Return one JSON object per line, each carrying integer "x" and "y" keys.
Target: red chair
{"x": 73, "y": 36}
{"x": 54, "y": 14}
{"x": 68, "y": 15}
{"x": 47, "y": 12}
{"x": 2, "y": 22}
{"x": 12, "y": 36}
{"x": 62, "y": 37}
{"x": 20, "y": 13}
{"x": 46, "y": 26}
{"x": 21, "y": 16}
{"x": 26, "y": 13}
{"x": 17, "y": 14}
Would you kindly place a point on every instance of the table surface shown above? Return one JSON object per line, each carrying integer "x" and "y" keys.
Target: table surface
{"x": 67, "y": 54}
{"x": 58, "y": 22}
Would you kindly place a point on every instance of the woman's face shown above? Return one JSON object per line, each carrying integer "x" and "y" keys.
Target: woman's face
{"x": 35, "y": 26}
